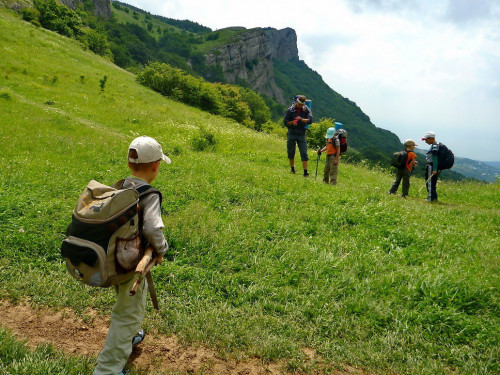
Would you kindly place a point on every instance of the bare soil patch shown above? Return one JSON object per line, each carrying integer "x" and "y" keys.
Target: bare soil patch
{"x": 70, "y": 334}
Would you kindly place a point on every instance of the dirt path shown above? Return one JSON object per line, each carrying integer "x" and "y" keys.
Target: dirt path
{"x": 70, "y": 334}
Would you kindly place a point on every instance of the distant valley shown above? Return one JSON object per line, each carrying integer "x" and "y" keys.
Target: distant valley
{"x": 481, "y": 170}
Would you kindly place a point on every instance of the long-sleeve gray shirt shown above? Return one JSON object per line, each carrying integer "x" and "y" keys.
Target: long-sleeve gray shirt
{"x": 152, "y": 226}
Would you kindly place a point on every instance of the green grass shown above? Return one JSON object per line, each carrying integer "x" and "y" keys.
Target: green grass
{"x": 124, "y": 17}
{"x": 226, "y": 36}
{"x": 264, "y": 263}
{"x": 17, "y": 359}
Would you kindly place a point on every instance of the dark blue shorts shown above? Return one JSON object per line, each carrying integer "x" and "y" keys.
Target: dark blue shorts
{"x": 300, "y": 140}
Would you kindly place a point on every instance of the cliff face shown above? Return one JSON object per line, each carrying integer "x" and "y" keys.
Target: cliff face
{"x": 102, "y": 7}
{"x": 250, "y": 58}
{"x": 283, "y": 43}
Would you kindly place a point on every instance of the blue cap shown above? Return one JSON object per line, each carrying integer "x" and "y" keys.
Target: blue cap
{"x": 339, "y": 125}
{"x": 330, "y": 133}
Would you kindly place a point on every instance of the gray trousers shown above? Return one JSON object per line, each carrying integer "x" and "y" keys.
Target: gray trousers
{"x": 431, "y": 183}
{"x": 126, "y": 319}
{"x": 401, "y": 174}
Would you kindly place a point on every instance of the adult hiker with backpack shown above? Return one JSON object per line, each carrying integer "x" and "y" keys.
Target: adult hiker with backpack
{"x": 439, "y": 157}
{"x": 296, "y": 119}
{"x": 336, "y": 145}
{"x": 404, "y": 162}
{"x": 117, "y": 232}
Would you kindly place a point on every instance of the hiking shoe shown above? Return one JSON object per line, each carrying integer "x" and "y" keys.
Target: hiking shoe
{"x": 292, "y": 170}
{"x": 306, "y": 174}
{"x": 137, "y": 339}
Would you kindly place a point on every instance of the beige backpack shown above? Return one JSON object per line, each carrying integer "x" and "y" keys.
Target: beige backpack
{"x": 104, "y": 243}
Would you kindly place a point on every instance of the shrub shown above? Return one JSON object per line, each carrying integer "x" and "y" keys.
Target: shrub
{"x": 317, "y": 131}
{"x": 203, "y": 140}
{"x": 31, "y": 15}
{"x": 213, "y": 36}
{"x": 259, "y": 112}
{"x": 5, "y": 95}
{"x": 58, "y": 18}
{"x": 242, "y": 105}
{"x": 97, "y": 43}
{"x": 102, "y": 83}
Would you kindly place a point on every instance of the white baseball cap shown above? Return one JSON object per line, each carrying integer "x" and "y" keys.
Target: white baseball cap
{"x": 428, "y": 135}
{"x": 148, "y": 150}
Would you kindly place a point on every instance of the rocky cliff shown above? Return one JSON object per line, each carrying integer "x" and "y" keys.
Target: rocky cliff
{"x": 250, "y": 58}
{"x": 283, "y": 43}
{"x": 102, "y": 7}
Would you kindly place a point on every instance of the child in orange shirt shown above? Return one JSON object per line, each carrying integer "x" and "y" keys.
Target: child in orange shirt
{"x": 405, "y": 172}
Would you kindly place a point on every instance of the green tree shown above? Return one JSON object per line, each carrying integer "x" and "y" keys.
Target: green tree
{"x": 98, "y": 43}
{"x": 58, "y": 18}
{"x": 317, "y": 132}
{"x": 259, "y": 112}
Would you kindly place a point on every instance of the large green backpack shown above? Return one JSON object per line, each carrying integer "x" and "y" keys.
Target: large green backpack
{"x": 399, "y": 159}
{"x": 104, "y": 243}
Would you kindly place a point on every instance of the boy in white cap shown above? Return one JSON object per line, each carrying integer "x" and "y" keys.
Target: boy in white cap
{"x": 405, "y": 172}
{"x": 144, "y": 159}
{"x": 431, "y": 167}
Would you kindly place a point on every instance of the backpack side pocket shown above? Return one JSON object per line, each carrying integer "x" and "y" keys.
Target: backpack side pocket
{"x": 128, "y": 252}
{"x": 85, "y": 260}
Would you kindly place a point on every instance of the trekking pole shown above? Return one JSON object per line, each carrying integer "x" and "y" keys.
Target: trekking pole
{"x": 317, "y": 162}
{"x": 418, "y": 192}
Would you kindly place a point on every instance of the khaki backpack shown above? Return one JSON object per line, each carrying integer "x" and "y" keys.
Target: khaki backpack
{"x": 104, "y": 243}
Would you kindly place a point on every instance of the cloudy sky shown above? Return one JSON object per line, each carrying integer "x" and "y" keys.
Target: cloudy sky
{"x": 412, "y": 66}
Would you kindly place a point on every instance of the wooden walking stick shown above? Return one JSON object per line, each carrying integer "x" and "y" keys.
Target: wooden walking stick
{"x": 418, "y": 192}
{"x": 425, "y": 183}
{"x": 143, "y": 269}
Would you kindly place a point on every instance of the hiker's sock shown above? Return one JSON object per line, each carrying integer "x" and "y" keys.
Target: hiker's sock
{"x": 305, "y": 172}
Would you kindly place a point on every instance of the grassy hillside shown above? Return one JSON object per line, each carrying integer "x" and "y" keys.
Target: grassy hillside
{"x": 262, "y": 263}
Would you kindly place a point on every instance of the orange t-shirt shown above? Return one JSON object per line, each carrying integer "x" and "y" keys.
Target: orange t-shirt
{"x": 411, "y": 156}
{"x": 331, "y": 145}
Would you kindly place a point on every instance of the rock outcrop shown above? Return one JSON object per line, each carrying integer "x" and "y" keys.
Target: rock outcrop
{"x": 102, "y": 8}
{"x": 250, "y": 58}
{"x": 283, "y": 43}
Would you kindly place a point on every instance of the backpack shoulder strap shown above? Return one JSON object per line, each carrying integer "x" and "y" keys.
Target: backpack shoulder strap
{"x": 145, "y": 190}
